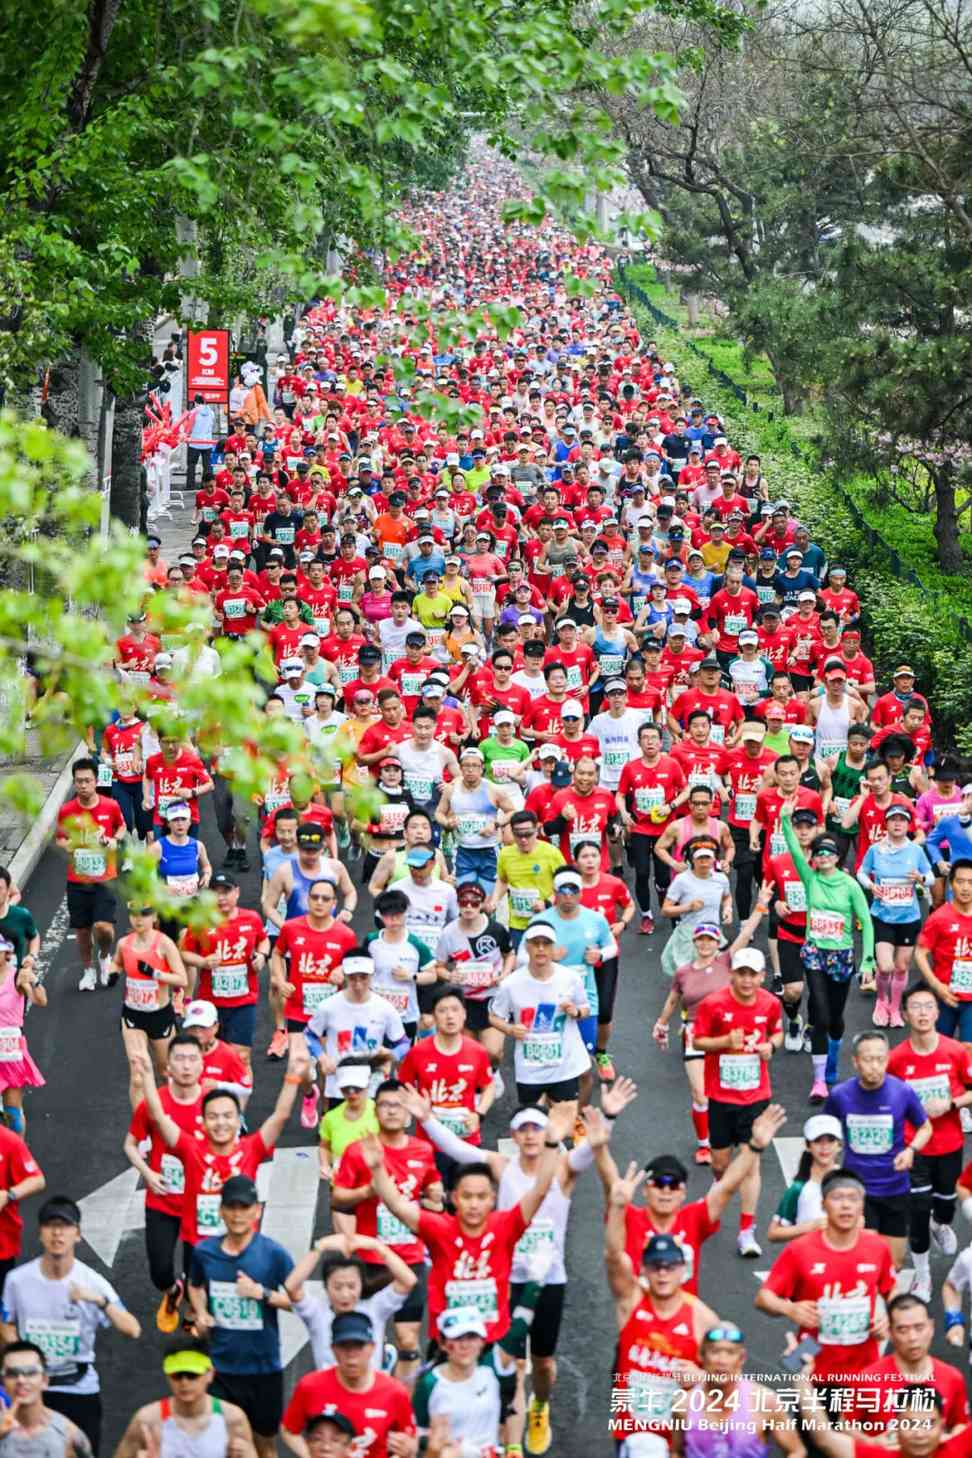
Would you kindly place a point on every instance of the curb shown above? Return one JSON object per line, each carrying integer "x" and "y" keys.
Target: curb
{"x": 24, "y": 863}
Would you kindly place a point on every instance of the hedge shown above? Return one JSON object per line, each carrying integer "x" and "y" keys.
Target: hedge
{"x": 906, "y": 619}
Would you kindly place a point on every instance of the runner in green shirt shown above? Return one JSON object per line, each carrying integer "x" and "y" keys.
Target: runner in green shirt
{"x": 835, "y": 901}
{"x": 352, "y": 1119}
{"x": 525, "y": 871}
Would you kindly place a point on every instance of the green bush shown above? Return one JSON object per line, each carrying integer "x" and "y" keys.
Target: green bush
{"x": 902, "y": 622}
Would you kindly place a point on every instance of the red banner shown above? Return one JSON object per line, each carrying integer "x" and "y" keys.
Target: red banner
{"x": 208, "y": 367}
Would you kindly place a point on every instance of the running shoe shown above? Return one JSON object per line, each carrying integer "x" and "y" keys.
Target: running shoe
{"x": 279, "y": 1044}
{"x": 793, "y": 1038}
{"x": 808, "y": 1040}
{"x": 499, "y": 1087}
{"x": 944, "y": 1237}
{"x": 819, "y": 1092}
{"x": 747, "y": 1245}
{"x": 703, "y": 1154}
{"x": 538, "y": 1434}
{"x": 965, "y": 1119}
{"x": 230, "y": 859}
{"x": 605, "y": 1068}
{"x": 242, "y": 859}
{"x": 895, "y": 1020}
{"x": 167, "y": 1317}
{"x": 89, "y": 980}
{"x": 881, "y": 1016}
{"x": 921, "y": 1287}
{"x": 308, "y": 1109}
{"x": 647, "y": 925}
{"x": 104, "y": 971}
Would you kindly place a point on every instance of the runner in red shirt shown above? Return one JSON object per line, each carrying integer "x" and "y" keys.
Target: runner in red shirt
{"x": 88, "y": 828}
{"x": 743, "y": 771}
{"x": 377, "y": 1406}
{"x": 582, "y": 811}
{"x": 209, "y": 1161}
{"x": 738, "y": 1029}
{"x": 238, "y": 607}
{"x": 135, "y": 651}
{"x": 472, "y": 1251}
{"x": 766, "y": 820}
{"x": 163, "y": 1171}
{"x": 451, "y": 1069}
{"x": 827, "y": 1283}
{"x": 176, "y": 773}
{"x": 867, "y": 813}
{"x": 944, "y": 955}
{"x": 649, "y": 791}
{"x": 20, "y": 1176}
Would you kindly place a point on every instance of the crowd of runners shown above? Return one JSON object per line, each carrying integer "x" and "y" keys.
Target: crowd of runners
{"x": 611, "y": 695}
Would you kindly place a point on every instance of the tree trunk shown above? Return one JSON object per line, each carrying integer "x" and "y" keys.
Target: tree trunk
{"x": 946, "y": 521}
{"x": 127, "y": 490}
{"x": 794, "y": 397}
{"x": 692, "y": 308}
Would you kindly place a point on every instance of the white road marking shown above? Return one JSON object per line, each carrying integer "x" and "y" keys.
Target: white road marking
{"x": 788, "y": 1152}
{"x": 54, "y": 938}
{"x": 110, "y": 1212}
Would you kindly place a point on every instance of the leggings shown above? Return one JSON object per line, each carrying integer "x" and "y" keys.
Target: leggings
{"x": 933, "y": 1181}
{"x": 161, "y": 1239}
{"x": 827, "y": 999}
{"x": 641, "y": 854}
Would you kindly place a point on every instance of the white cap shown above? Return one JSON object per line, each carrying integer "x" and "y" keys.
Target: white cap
{"x": 460, "y": 1321}
{"x": 536, "y": 1117}
{"x": 377, "y": 572}
{"x": 470, "y": 752}
{"x": 820, "y": 1124}
{"x": 351, "y": 965}
{"x": 571, "y": 707}
{"x": 749, "y": 957}
{"x": 291, "y": 666}
{"x": 807, "y": 596}
{"x": 310, "y": 640}
{"x": 550, "y": 751}
{"x": 504, "y": 717}
{"x": 200, "y": 1014}
{"x": 540, "y": 930}
{"x": 356, "y": 1075}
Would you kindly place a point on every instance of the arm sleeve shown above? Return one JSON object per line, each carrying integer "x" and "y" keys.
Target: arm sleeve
{"x": 579, "y": 1158}
{"x": 450, "y": 1144}
{"x": 803, "y": 869}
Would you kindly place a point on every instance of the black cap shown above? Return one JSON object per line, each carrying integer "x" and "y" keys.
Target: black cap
{"x": 666, "y": 1164}
{"x": 827, "y": 845}
{"x": 369, "y": 654}
{"x": 310, "y": 833}
{"x": 804, "y": 816}
{"x": 239, "y": 1190}
{"x": 222, "y": 882}
{"x": 710, "y": 662}
{"x": 332, "y": 1415}
{"x": 59, "y": 1207}
{"x": 351, "y": 1326}
{"x": 663, "y": 1250}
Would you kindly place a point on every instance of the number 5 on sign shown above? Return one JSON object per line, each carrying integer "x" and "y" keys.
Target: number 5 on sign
{"x": 208, "y": 366}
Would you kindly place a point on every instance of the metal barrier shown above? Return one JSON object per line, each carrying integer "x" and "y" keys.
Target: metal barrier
{"x": 873, "y": 537}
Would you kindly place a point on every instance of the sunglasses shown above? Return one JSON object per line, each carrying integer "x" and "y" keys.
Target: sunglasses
{"x": 723, "y": 1334}
{"x": 666, "y": 1182}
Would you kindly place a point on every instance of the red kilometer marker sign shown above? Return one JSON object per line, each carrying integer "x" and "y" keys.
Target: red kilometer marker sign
{"x": 208, "y": 373}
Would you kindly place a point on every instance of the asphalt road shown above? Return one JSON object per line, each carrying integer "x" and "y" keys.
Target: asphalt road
{"x": 78, "y": 1121}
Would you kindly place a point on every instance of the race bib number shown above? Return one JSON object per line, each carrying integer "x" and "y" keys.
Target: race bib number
{"x": 104, "y": 775}
{"x": 125, "y": 763}
{"x": 895, "y": 893}
{"x": 392, "y": 1230}
{"x": 89, "y": 862}
{"x": 841, "y": 805}
{"x": 284, "y": 535}
{"x": 795, "y": 896}
{"x": 543, "y": 1049}
{"x": 717, "y": 734}
{"x": 239, "y": 530}
{"x": 523, "y": 900}
{"x": 934, "y": 1090}
{"x": 648, "y": 798}
{"x": 235, "y": 607}
{"x": 734, "y": 624}
{"x": 183, "y": 885}
{"x": 397, "y": 996}
{"x": 739, "y": 1071}
{"x": 482, "y": 1294}
{"x": 616, "y": 758}
{"x": 230, "y": 981}
{"x": 232, "y": 1311}
{"x": 471, "y": 826}
{"x": 418, "y": 786}
{"x": 961, "y": 975}
{"x": 208, "y": 1219}
{"x": 574, "y": 680}
{"x": 610, "y": 664}
{"x": 777, "y": 844}
{"x": 345, "y": 591}
{"x": 322, "y": 626}
{"x": 477, "y": 974}
{"x": 347, "y": 672}
{"x": 174, "y": 1174}
{"x": 315, "y": 995}
{"x": 412, "y": 684}
{"x": 830, "y": 749}
{"x": 392, "y": 550}
{"x": 10, "y": 1045}
{"x": 844, "y": 1321}
{"x": 453, "y": 1118}
{"x": 827, "y": 924}
{"x": 539, "y": 1235}
{"x": 870, "y": 1133}
{"x": 745, "y": 805}
{"x": 141, "y": 995}
{"x": 60, "y": 1341}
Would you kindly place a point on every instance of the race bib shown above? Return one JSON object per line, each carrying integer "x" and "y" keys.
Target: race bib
{"x": 477, "y": 974}
{"x": 345, "y": 591}
{"x": 648, "y": 798}
{"x": 174, "y": 1174}
{"x": 841, "y": 805}
{"x": 125, "y": 763}
{"x": 539, "y": 1235}
{"x": 10, "y": 1045}
{"x": 347, "y": 672}
{"x": 830, "y": 749}
{"x": 961, "y": 976}
{"x": 315, "y": 994}
{"x": 739, "y": 1071}
{"x": 777, "y": 845}
{"x": 827, "y": 924}
{"x": 523, "y": 900}
{"x": 616, "y": 758}
{"x": 284, "y": 535}
{"x": 412, "y": 684}
{"x": 895, "y": 893}
{"x": 60, "y": 1341}
{"x": 392, "y": 550}
{"x": 232, "y": 1311}
{"x": 933, "y": 1090}
{"x": 418, "y": 786}
{"x": 104, "y": 775}
{"x": 610, "y": 664}
{"x": 734, "y": 624}
{"x": 870, "y": 1133}
{"x": 322, "y": 626}
{"x": 543, "y": 1049}
{"x": 795, "y": 896}
{"x": 471, "y": 826}
{"x": 239, "y": 530}
{"x": 428, "y": 936}
{"x": 392, "y": 1230}
{"x": 235, "y": 607}
{"x": 89, "y": 862}
{"x": 397, "y": 996}
{"x": 183, "y": 885}
{"x": 208, "y": 1219}
{"x": 577, "y": 837}
{"x": 574, "y": 680}
{"x": 230, "y": 981}
{"x": 141, "y": 994}
{"x": 717, "y": 734}
{"x": 745, "y": 805}
{"x": 453, "y": 1119}
{"x": 482, "y": 1294}
{"x": 844, "y": 1321}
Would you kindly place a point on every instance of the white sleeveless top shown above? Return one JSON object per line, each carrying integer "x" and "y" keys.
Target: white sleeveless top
{"x": 548, "y": 1226}
{"x": 832, "y": 727}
